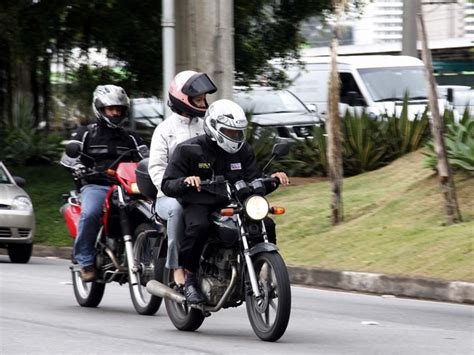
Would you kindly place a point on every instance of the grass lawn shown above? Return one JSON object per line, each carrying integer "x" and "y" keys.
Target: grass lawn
{"x": 394, "y": 224}
{"x": 45, "y": 185}
{"x": 394, "y": 221}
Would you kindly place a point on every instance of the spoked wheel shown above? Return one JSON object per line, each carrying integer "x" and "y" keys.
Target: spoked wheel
{"x": 88, "y": 294}
{"x": 149, "y": 267}
{"x": 183, "y": 317}
{"x": 269, "y": 315}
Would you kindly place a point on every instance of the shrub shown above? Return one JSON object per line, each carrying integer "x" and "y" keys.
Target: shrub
{"x": 23, "y": 144}
{"x": 459, "y": 141}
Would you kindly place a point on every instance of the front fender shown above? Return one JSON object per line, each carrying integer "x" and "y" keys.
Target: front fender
{"x": 263, "y": 248}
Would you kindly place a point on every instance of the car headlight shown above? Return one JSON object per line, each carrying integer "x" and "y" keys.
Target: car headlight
{"x": 22, "y": 203}
{"x": 257, "y": 207}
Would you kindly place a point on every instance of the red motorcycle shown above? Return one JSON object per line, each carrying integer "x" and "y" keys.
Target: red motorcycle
{"x": 127, "y": 243}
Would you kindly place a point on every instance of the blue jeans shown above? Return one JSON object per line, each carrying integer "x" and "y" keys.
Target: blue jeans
{"x": 171, "y": 210}
{"x": 92, "y": 202}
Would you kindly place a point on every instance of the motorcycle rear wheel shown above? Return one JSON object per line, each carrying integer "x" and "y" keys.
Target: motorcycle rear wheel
{"x": 151, "y": 267}
{"x": 183, "y": 317}
{"x": 270, "y": 317}
{"x": 88, "y": 294}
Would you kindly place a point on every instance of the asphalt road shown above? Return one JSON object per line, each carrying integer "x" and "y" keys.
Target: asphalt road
{"x": 39, "y": 315}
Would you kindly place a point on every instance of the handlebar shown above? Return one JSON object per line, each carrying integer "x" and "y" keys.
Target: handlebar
{"x": 220, "y": 180}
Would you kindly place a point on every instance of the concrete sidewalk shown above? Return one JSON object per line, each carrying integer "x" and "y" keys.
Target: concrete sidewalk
{"x": 403, "y": 286}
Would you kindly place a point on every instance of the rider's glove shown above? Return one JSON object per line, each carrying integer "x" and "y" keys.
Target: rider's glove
{"x": 79, "y": 170}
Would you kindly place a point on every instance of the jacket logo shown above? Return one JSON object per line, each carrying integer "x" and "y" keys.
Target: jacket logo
{"x": 235, "y": 166}
{"x": 204, "y": 165}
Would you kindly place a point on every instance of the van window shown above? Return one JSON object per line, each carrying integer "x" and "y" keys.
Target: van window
{"x": 390, "y": 84}
{"x": 349, "y": 91}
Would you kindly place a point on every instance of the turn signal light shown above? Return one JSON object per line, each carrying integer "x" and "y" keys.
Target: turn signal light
{"x": 111, "y": 172}
{"x": 227, "y": 212}
{"x": 277, "y": 210}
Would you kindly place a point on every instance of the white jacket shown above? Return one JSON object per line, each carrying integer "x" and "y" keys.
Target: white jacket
{"x": 169, "y": 133}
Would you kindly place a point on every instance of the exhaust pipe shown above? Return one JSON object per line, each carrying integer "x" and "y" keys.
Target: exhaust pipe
{"x": 156, "y": 288}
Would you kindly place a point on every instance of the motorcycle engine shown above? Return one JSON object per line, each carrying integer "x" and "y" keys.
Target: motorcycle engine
{"x": 216, "y": 274}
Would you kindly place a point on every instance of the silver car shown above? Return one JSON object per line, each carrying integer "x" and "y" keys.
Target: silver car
{"x": 17, "y": 218}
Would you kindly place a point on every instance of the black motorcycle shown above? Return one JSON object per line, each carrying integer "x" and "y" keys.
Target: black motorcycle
{"x": 238, "y": 263}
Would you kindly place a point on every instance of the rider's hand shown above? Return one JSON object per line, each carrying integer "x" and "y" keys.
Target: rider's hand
{"x": 193, "y": 181}
{"x": 280, "y": 175}
{"x": 79, "y": 170}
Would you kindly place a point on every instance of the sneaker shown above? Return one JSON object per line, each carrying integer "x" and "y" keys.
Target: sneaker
{"x": 88, "y": 273}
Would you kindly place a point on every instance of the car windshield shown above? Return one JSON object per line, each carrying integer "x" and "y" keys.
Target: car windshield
{"x": 4, "y": 177}
{"x": 269, "y": 101}
{"x": 389, "y": 84}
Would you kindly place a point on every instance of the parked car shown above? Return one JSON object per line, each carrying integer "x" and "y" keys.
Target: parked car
{"x": 277, "y": 110}
{"x": 17, "y": 218}
{"x": 459, "y": 96}
{"x": 146, "y": 112}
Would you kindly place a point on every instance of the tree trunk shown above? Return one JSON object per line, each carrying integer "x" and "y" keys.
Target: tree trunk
{"x": 46, "y": 89}
{"x": 451, "y": 207}
{"x": 35, "y": 92}
{"x": 334, "y": 149}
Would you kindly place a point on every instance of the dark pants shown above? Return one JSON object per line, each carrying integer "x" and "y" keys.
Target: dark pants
{"x": 197, "y": 225}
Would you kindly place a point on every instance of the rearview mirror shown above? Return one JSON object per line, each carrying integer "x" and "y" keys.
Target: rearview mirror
{"x": 280, "y": 149}
{"x": 73, "y": 149}
{"x": 19, "y": 181}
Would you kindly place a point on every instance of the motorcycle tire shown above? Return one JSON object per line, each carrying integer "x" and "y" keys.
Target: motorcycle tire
{"x": 269, "y": 318}
{"x": 151, "y": 267}
{"x": 88, "y": 294}
{"x": 182, "y": 316}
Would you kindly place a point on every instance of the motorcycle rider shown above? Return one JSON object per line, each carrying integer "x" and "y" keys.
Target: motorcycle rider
{"x": 101, "y": 143}
{"x": 225, "y": 152}
{"x": 187, "y": 99}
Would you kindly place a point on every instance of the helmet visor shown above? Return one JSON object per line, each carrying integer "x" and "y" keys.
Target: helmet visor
{"x": 199, "y": 84}
{"x": 235, "y": 135}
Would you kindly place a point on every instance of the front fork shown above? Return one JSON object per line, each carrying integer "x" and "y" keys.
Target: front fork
{"x": 248, "y": 260}
{"x": 127, "y": 238}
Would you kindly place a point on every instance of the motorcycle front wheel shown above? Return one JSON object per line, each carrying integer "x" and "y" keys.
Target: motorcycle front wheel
{"x": 182, "y": 316}
{"x": 88, "y": 294}
{"x": 149, "y": 267}
{"x": 269, "y": 316}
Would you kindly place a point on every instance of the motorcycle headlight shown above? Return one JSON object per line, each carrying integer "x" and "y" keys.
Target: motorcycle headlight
{"x": 257, "y": 207}
{"x": 22, "y": 203}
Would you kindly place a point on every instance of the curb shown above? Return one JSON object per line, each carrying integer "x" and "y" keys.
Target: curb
{"x": 397, "y": 285}
{"x": 405, "y": 286}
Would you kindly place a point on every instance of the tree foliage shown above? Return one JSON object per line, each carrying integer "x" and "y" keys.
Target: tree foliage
{"x": 33, "y": 31}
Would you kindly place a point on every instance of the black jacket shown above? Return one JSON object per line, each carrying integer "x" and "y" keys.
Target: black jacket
{"x": 104, "y": 145}
{"x": 234, "y": 167}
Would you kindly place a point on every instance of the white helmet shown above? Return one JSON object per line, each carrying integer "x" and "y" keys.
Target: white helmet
{"x": 225, "y": 123}
{"x": 110, "y": 95}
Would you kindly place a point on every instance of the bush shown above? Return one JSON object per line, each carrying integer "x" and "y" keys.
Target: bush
{"x": 23, "y": 144}
{"x": 459, "y": 141}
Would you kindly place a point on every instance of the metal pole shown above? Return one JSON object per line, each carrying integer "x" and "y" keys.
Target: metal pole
{"x": 409, "y": 28}
{"x": 169, "y": 59}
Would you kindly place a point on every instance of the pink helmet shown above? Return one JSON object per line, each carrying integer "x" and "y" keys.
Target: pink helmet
{"x": 186, "y": 85}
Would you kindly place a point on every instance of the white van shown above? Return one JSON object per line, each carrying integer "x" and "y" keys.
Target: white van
{"x": 376, "y": 83}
